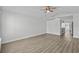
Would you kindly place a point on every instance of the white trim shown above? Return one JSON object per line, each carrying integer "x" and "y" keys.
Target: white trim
{"x": 22, "y": 38}
{"x": 0, "y": 44}
{"x": 53, "y": 33}
{"x": 0, "y": 39}
{"x": 75, "y": 36}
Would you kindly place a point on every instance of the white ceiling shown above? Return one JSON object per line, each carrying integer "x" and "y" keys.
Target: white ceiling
{"x": 68, "y": 9}
{"x": 37, "y": 11}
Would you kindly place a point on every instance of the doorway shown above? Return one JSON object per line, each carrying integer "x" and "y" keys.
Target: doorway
{"x": 66, "y": 29}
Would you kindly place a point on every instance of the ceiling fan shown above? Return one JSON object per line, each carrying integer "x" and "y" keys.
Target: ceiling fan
{"x": 48, "y": 9}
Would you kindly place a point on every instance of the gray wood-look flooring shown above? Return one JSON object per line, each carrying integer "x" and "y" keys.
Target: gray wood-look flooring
{"x": 46, "y": 43}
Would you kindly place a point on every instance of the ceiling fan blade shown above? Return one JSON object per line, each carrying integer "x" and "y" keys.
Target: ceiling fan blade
{"x": 48, "y": 9}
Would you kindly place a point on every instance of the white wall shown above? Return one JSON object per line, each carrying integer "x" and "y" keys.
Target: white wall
{"x": 0, "y": 31}
{"x": 0, "y": 25}
{"x": 16, "y": 25}
{"x": 0, "y": 22}
{"x": 76, "y": 25}
{"x": 53, "y": 26}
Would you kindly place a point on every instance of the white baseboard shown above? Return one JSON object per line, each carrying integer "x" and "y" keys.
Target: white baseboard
{"x": 53, "y": 33}
{"x": 75, "y": 36}
{"x": 22, "y": 38}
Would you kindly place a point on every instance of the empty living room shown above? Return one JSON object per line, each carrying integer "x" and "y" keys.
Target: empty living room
{"x": 39, "y": 29}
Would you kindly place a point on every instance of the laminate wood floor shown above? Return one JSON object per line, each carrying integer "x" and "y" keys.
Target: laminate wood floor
{"x": 46, "y": 43}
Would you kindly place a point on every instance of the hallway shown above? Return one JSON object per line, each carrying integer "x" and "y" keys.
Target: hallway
{"x": 66, "y": 29}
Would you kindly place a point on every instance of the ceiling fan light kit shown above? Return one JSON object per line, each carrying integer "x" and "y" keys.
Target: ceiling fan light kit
{"x": 48, "y": 9}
